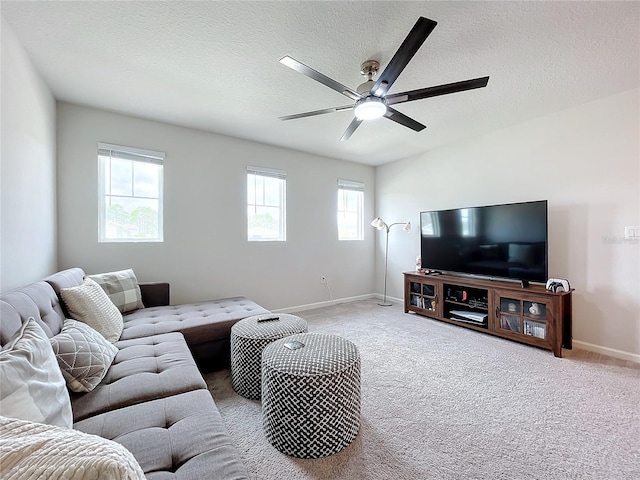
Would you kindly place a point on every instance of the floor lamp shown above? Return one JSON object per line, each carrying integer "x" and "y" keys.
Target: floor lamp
{"x": 380, "y": 224}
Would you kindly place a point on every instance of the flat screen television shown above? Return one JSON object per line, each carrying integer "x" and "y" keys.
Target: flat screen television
{"x": 495, "y": 241}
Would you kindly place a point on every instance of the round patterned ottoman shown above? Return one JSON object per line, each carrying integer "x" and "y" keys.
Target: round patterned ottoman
{"x": 249, "y": 336}
{"x": 311, "y": 394}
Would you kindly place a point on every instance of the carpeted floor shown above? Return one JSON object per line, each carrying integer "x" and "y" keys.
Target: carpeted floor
{"x": 444, "y": 402}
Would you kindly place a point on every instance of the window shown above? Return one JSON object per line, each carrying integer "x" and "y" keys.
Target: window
{"x": 266, "y": 204}
{"x": 350, "y": 210}
{"x": 468, "y": 222}
{"x": 430, "y": 224}
{"x": 130, "y": 203}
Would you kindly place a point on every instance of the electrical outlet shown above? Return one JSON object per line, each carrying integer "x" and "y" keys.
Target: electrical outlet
{"x": 631, "y": 232}
{"x": 323, "y": 280}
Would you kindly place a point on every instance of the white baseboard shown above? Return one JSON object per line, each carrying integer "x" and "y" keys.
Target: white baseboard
{"x": 611, "y": 352}
{"x": 310, "y": 306}
{"x": 391, "y": 299}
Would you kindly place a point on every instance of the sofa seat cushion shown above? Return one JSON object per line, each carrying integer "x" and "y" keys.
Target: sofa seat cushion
{"x": 199, "y": 322}
{"x": 143, "y": 369}
{"x": 182, "y": 436}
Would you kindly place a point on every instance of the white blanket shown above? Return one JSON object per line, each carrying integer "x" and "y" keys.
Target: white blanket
{"x": 34, "y": 450}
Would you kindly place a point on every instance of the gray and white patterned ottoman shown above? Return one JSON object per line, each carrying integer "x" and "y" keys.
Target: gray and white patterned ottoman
{"x": 249, "y": 336}
{"x": 311, "y": 394}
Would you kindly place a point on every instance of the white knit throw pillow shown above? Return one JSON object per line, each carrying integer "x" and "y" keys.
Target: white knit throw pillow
{"x": 88, "y": 303}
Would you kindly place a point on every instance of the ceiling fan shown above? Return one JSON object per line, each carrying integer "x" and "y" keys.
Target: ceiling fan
{"x": 371, "y": 98}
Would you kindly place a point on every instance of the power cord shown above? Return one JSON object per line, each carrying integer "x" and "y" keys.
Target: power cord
{"x": 326, "y": 283}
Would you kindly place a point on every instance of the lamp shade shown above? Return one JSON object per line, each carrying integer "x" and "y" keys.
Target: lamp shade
{"x": 380, "y": 224}
{"x": 377, "y": 223}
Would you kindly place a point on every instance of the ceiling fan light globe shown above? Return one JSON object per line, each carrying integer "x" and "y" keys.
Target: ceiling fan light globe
{"x": 370, "y": 108}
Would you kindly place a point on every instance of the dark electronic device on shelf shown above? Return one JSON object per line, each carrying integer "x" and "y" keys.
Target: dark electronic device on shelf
{"x": 495, "y": 241}
{"x": 479, "y": 303}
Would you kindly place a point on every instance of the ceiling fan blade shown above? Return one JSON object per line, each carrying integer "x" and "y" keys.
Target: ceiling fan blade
{"x": 402, "y": 119}
{"x": 418, "y": 34}
{"x": 316, "y": 112}
{"x": 355, "y": 123}
{"x": 436, "y": 91}
{"x": 319, "y": 77}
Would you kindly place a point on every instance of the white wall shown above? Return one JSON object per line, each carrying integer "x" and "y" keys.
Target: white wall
{"x": 586, "y": 162}
{"x": 205, "y": 253}
{"x": 27, "y": 169}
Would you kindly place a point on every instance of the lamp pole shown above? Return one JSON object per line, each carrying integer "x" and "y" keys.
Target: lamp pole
{"x": 380, "y": 224}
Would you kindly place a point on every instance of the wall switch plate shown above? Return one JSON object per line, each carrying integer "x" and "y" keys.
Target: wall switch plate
{"x": 631, "y": 232}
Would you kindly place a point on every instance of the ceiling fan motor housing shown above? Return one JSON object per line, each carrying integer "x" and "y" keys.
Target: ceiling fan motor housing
{"x": 369, "y": 69}
{"x": 365, "y": 88}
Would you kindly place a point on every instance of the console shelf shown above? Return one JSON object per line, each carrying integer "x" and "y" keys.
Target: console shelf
{"x": 531, "y": 315}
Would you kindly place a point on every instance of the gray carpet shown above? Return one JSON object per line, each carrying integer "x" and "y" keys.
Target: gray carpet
{"x": 444, "y": 402}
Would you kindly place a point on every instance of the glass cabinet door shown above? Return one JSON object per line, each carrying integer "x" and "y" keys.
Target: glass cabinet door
{"x": 526, "y": 317}
{"x": 509, "y": 314}
{"x": 535, "y": 319}
{"x": 423, "y": 296}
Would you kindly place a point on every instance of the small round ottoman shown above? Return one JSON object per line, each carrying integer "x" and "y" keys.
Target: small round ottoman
{"x": 249, "y": 336}
{"x": 311, "y": 394}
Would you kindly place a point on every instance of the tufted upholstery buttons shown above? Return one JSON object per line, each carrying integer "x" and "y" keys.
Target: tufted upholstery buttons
{"x": 143, "y": 369}
{"x": 162, "y": 426}
{"x": 206, "y": 325}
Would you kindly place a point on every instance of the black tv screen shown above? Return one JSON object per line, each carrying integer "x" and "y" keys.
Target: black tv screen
{"x": 504, "y": 241}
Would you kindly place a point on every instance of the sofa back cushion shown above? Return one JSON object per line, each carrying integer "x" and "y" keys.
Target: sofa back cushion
{"x": 37, "y": 300}
{"x": 72, "y": 277}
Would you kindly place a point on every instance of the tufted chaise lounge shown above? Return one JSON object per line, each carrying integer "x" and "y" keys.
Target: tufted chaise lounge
{"x": 153, "y": 399}
{"x": 206, "y": 326}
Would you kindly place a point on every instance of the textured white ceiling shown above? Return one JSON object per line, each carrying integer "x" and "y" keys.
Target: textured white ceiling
{"x": 214, "y": 65}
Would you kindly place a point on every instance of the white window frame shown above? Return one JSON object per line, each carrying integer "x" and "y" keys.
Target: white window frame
{"x": 351, "y": 186}
{"x": 282, "y": 200}
{"x": 135, "y": 155}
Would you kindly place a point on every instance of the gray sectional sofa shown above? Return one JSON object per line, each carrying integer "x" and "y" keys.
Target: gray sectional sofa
{"x": 153, "y": 399}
